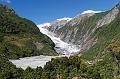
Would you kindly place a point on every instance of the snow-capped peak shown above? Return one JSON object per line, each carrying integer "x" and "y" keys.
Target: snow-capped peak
{"x": 44, "y": 24}
{"x": 90, "y": 11}
{"x": 65, "y": 18}
{"x": 49, "y": 24}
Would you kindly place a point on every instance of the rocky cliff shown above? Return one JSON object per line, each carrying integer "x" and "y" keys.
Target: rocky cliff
{"x": 56, "y": 25}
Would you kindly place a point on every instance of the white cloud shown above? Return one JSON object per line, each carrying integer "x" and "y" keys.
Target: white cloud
{"x": 6, "y": 1}
{"x": 90, "y": 11}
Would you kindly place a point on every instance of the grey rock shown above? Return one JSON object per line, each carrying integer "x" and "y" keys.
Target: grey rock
{"x": 79, "y": 32}
{"x": 108, "y": 18}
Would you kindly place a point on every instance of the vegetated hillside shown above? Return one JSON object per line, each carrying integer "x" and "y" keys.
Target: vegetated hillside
{"x": 20, "y": 37}
{"x": 93, "y": 32}
{"x": 99, "y": 36}
{"x": 105, "y": 35}
{"x": 105, "y": 52}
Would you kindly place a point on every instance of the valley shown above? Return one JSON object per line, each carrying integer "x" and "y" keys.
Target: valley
{"x": 61, "y": 47}
{"x": 86, "y": 46}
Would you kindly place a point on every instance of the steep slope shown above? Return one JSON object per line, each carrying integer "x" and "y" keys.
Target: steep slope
{"x": 20, "y": 37}
{"x": 80, "y": 33}
{"x": 99, "y": 36}
{"x": 106, "y": 35}
{"x": 61, "y": 47}
{"x": 82, "y": 30}
{"x": 57, "y": 24}
{"x": 104, "y": 55}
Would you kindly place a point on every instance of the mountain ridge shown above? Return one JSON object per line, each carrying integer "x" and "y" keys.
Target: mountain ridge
{"x": 70, "y": 31}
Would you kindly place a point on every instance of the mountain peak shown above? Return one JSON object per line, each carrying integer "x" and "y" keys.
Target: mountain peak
{"x": 90, "y": 11}
{"x": 65, "y": 18}
{"x": 118, "y": 5}
{"x": 44, "y": 25}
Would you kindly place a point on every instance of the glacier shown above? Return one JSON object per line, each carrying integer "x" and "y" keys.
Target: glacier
{"x": 64, "y": 49}
{"x": 61, "y": 47}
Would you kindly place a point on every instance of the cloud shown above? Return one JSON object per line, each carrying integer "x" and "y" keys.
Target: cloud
{"x": 6, "y": 1}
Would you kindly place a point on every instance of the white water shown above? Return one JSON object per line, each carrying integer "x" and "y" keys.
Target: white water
{"x": 60, "y": 46}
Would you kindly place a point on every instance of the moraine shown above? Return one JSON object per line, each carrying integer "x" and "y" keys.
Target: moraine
{"x": 33, "y": 62}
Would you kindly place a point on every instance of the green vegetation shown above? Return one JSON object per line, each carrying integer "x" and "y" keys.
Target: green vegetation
{"x": 86, "y": 25}
{"x": 61, "y": 68}
{"x": 105, "y": 54}
{"x": 20, "y": 37}
{"x": 105, "y": 36}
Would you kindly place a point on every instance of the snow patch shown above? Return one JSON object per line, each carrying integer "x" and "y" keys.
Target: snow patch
{"x": 65, "y": 18}
{"x": 90, "y": 11}
{"x": 45, "y": 24}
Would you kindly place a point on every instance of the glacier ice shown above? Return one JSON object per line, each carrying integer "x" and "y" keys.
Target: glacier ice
{"x": 61, "y": 47}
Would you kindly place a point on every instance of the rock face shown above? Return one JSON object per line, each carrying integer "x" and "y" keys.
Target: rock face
{"x": 108, "y": 18}
{"x": 79, "y": 18}
{"x": 81, "y": 29}
{"x": 57, "y": 24}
